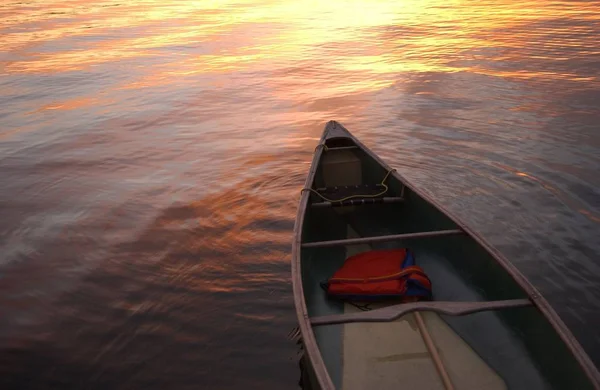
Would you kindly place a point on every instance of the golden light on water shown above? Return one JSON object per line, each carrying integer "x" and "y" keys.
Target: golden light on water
{"x": 153, "y": 153}
{"x": 377, "y": 38}
{"x": 322, "y": 56}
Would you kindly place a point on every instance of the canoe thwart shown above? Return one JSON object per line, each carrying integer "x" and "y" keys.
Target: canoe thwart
{"x": 391, "y": 237}
{"x": 340, "y": 192}
{"x": 359, "y": 202}
{"x": 391, "y": 313}
{"x": 328, "y": 149}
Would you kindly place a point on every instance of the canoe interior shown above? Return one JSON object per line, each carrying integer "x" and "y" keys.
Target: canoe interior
{"x": 518, "y": 344}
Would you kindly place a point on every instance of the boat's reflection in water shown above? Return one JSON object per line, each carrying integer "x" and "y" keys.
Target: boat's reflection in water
{"x": 306, "y": 379}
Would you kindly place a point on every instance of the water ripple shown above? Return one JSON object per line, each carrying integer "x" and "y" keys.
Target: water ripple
{"x": 152, "y": 154}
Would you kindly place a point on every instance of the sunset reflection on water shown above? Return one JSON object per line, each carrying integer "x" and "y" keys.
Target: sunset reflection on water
{"x": 152, "y": 154}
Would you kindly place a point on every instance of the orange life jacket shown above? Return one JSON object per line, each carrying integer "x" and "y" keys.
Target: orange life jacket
{"x": 379, "y": 274}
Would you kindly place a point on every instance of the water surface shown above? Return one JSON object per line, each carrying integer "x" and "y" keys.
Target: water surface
{"x": 152, "y": 154}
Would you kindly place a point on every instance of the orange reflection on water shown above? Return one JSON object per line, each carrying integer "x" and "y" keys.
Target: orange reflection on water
{"x": 226, "y": 231}
{"x": 316, "y": 54}
{"x": 72, "y": 104}
{"x": 392, "y": 36}
{"x": 207, "y": 112}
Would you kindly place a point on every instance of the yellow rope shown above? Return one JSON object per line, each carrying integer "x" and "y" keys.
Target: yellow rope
{"x": 353, "y": 196}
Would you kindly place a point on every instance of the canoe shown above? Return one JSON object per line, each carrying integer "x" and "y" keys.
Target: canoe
{"x": 486, "y": 326}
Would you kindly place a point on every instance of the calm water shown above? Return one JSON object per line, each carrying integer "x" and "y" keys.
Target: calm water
{"x": 152, "y": 155}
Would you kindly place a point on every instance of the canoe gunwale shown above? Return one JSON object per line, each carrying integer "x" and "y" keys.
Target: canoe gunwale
{"x": 308, "y": 337}
{"x": 333, "y": 130}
